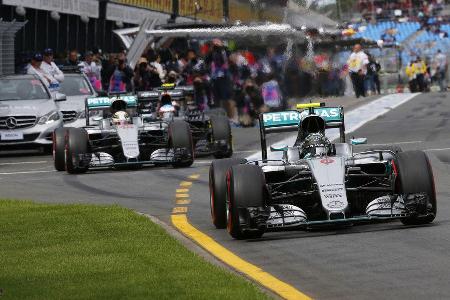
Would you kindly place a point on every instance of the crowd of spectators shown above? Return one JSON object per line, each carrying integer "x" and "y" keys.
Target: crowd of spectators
{"x": 422, "y": 73}
{"x": 244, "y": 83}
{"x": 390, "y": 10}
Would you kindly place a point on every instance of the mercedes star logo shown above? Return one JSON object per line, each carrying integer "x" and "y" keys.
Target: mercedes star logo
{"x": 11, "y": 123}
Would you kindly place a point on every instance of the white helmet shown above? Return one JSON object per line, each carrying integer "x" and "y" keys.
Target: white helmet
{"x": 121, "y": 117}
{"x": 167, "y": 111}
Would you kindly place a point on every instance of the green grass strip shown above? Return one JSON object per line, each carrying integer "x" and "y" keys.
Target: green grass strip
{"x": 52, "y": 251}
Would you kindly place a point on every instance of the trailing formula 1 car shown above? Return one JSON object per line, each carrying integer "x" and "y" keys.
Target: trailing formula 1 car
{"x": 211, "y": 131}
{"x": 118, "y": 140}
{"x": 319, "y": 183}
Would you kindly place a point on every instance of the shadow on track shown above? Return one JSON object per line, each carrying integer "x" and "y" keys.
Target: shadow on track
{"x": 324, "y": 232}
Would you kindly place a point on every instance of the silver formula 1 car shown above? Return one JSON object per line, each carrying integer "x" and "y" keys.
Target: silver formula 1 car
{"x": 211, "y": 130}
{"x": 121, "y": 137}
{"x": 319, "y": 183}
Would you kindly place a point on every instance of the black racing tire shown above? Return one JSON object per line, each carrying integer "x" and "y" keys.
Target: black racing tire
{"x": 59, "y": 146}
{"x": 415, "y": 175}
{"x": 221, "y": 131}
{"x": 218, "y": 189}
{"x": 244, "y": 193}
{"x": 180, "y": 136}
{"x": 77, "y": 142}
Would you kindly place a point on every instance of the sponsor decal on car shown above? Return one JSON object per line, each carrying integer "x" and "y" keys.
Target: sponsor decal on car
{"x": 292, "y": 117}
{"x": 327, "y": 161}
{"x": 335, "y": 204}
{"x": 106, "y": 102}
{"x": 282, "y": 118}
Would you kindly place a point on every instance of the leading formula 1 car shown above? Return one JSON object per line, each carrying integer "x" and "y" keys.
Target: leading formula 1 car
{"x": 211, "y": 131}
{"x": 118, "y": 140}
{"x": 319, "y": 183}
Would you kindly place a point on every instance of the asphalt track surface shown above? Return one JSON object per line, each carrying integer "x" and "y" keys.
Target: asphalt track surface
{"x": 375, "y": 261}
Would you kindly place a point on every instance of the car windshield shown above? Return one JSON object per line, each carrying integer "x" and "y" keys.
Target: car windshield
{"x": 22, "y": 89}
{"x": 75, "y": 86}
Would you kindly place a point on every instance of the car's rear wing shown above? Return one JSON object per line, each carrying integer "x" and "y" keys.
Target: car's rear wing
{"x": 287, "y": 121}
{"x": 147, "y": 100}
{"x": 104, "y": 103}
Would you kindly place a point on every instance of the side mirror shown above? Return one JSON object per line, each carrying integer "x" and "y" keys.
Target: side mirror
{"x": 278, "y": 148}
{"x": 358, "y": 141}
{"x": 60, "y": 97}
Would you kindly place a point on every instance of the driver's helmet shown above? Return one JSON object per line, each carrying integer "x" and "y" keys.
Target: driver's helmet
{"x": 167, "y": 111}
{"x": 310, "y": 124}
{"x": 315, "y": 144}
{"x": 119, "y": 114}
{"x": 121, "y": 118}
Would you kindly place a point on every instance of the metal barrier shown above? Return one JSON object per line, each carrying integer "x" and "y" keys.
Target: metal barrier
{"x": 8, "y": 32}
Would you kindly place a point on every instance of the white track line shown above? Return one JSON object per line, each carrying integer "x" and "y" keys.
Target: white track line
{"x": 24, "y": 163}
{"x": 437, "y": 149}
{"x": 203, "y": 162}
{"x": 27, "y": 172}
{"x": 397, "y": 143}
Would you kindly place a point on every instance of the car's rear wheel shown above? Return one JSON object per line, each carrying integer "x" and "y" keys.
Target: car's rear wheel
{"x": 218, "y": 189}
{"x": 221, "y": 131}
{"x": 180, "y": 138}
{"x": 246, "y": 188}
{"x": 59, "y": 146}
{"x": 77, "y": 145}
{"x": 415, "y": 176}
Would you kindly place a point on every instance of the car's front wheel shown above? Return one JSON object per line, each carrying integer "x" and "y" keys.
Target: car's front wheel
{"x": 218, "y": 189}
{"x": 180, "y": 139}
{"x": 77, "y": 145}
{"x": 246, "y": 190}
{"x": 415, "y": 178}
{"x": 59, "y": 145}
{"x": 221, "y": 133}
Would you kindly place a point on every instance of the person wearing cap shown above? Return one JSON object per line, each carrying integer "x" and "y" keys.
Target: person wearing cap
{"x": 146, "y": 77}
{"x": 92, "y": 70}
{"x": 34, "y": 68}
{"x": 50, "y": 67}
